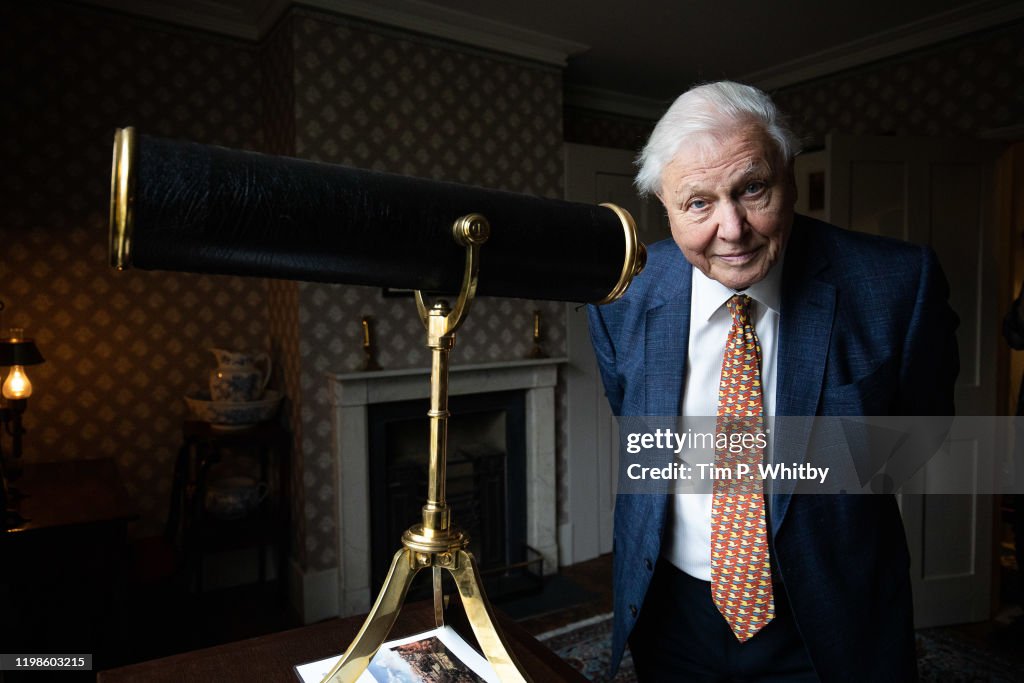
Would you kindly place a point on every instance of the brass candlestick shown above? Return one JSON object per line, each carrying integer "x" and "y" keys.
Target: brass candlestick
{"x": 434, "y": 543}
{"x": 536, "y": 351}
{"x": 369, "y": 352}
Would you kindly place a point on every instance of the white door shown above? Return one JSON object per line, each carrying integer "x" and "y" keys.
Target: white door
{"x": 939, "y": 193}
{"x": 595, "y": 175}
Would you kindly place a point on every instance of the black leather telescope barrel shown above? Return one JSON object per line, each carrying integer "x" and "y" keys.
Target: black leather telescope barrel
{"x": 198, "y": 208}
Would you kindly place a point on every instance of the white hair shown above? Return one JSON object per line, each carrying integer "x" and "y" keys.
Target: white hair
{"x": 705, "y": 111}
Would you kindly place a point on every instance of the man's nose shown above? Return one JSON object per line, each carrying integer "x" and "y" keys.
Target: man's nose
{"x": 730, "y": 221}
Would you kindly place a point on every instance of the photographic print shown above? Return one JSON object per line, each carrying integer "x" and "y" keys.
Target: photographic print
{"x": 438, "y": 656}
{"x": 426, "y": 660}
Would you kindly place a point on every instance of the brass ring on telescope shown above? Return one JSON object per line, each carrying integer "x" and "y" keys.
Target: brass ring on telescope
{"x": 122, "y": 198}
{"x": 471, "y": 229}
{"x": 635, "y": 257}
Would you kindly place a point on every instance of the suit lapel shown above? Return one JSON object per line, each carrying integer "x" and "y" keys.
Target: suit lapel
{"x": 805, "y": 329}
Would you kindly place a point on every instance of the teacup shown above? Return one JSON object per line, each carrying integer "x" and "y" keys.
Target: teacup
{"x": 234, "y": 497}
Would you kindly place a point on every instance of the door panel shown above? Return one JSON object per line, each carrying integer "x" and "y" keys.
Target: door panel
{"x": 938, "y": 193}
{"x": 595, "y": 175}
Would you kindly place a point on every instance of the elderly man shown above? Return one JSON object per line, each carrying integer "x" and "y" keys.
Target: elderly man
{"x": 752, "y": 305}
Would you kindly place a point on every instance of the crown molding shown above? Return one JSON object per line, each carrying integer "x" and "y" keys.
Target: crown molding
{"x": 246, "y": 20}
{"x": 969, "y": 18}
{"x": 612, "y": 102}
{"x": 268, "y": 16}
{"x": 1010, "y": 133}
{"x": 460, "y": 27}
{"x": 253, "y": 19}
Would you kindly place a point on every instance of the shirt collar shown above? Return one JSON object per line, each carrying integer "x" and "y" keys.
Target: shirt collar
{"x": 708, "y": 295}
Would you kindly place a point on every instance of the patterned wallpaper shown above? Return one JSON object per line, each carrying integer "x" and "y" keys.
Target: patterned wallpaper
{"x": 394, "y": 103}
{"x": 121, "y": 348}
{"x": 278, "y": 64}
{"x": 586, "y": 127}
{"x": 959, "y": 88}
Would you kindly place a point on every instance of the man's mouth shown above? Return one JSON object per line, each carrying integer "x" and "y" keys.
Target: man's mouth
{"x": 737, "y": 259}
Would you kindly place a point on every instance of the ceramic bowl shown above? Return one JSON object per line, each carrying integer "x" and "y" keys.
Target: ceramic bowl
{"x": 234, "y": 497}
{"x": 233, "y": 414}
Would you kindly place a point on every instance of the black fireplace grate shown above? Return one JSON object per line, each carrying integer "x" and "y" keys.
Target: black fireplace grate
{"x": 485, "y": 482}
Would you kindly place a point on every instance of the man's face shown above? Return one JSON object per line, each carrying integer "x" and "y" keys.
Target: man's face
{"x": 730, "y": 205}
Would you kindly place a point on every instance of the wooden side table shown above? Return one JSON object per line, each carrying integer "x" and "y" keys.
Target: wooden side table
{"x": 62, "y": 570}
{"x": 272, "y": 658}
{"x": 188, "y": 522}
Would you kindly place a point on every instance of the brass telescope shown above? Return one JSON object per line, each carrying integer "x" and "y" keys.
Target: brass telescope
{"x": 186, "y": 207}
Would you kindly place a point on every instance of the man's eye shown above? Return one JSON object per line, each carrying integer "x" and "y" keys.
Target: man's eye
{"x": 753, "y": 188}
{"x": 698, "y": 204}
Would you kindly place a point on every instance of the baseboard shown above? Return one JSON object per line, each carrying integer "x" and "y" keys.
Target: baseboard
{"x": 565, "y": 544}
{"x": 313, "y": 594}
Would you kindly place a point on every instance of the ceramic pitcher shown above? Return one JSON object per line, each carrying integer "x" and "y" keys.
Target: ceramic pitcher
{"x": 239, "y": 376}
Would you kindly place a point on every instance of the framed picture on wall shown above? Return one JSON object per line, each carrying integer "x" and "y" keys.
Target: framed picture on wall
{"x": 810, "y": 170}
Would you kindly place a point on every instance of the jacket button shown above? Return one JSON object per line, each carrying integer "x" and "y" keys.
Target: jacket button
{"x": 632, "y": 610}
{"x": 648, "y": 564}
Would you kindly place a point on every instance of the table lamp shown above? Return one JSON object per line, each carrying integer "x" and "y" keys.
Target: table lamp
{"x": 15, "y": 352}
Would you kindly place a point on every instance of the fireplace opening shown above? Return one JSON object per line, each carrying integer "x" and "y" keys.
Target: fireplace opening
{"x": 486, "y": 485}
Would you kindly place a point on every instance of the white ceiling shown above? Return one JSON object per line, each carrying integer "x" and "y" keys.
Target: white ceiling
{"x": 634, "y": 55}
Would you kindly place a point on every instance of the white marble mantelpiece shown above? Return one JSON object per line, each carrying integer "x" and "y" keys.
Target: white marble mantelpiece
{"x": 352, "y": 393}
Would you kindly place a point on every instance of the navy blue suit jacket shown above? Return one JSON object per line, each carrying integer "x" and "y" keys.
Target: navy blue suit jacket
{"x": 865, "y": 329}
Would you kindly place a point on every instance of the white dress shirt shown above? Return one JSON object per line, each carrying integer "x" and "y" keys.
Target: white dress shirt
{"x": 688, "y": 536}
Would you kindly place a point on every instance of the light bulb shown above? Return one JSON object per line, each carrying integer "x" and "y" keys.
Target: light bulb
{"x": 17, "y": 385}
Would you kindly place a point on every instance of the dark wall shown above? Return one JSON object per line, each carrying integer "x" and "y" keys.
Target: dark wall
{"x": 121, "y": 348}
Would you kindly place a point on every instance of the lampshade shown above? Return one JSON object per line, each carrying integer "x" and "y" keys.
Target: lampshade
{"x": 15, "y": 351}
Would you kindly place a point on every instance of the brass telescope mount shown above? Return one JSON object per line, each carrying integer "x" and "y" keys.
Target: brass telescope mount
{"x": 434, "y": 543}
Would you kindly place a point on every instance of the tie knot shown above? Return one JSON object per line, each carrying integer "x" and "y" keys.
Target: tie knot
{"x": 739, "y": 306}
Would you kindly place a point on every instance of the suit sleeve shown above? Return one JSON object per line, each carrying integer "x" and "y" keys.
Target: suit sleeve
{"x": 604, "y": 351}
{"x": 931, "y": 359}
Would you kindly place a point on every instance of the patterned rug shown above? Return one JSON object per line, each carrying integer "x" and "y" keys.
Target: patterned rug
{"x": 943, "y": 657}
{"x": 586, "y": 645}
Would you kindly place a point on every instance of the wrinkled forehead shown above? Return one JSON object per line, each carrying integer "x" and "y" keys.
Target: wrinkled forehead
{"x": 732, "y": 156}
{"x": 747, "y": 140}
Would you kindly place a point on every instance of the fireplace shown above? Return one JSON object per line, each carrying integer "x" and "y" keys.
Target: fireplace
{"x": 486, "y": 478}
{"x": 349, "y": 587}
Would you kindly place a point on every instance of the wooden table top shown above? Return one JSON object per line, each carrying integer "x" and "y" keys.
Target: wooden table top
{"x": 273, "y": 657}
{"x": 69, "y": 493}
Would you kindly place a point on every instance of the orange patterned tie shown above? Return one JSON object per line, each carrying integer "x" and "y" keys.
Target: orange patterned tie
{"x": 741, "y": 581}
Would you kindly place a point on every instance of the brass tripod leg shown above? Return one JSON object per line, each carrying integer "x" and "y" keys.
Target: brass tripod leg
{"x": 438, "y": 597}
{"x": 481, "y": 618}
{"x": 378, "y": 622}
